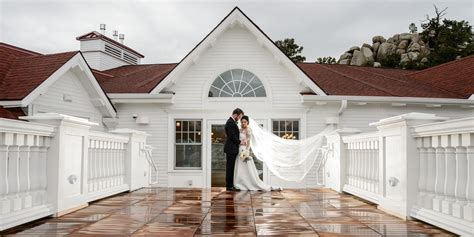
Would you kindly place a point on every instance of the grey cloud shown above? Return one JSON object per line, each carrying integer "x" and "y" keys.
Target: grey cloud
{"x": 166, "y": 31}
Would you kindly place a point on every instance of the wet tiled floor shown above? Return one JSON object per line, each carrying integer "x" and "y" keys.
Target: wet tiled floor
{"x": 206, "y": 212}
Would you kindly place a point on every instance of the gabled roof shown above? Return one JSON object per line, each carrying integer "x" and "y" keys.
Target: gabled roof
{"x": 133, "y": 78}
{"x": 94, "y": 35}
{"x": 236, "y": 16}
{"x": 24, "y": 75}
{"x": 339, "y": 79}
{"x": 22, "y": 71}
{"x": 456, "y": 76}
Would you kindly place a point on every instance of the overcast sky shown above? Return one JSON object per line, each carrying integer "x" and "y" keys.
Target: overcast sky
{"x": 165, "y": 31}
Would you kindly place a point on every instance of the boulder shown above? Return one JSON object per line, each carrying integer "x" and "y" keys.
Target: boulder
{"x": 424, "y": 60}
{"x": 375, "y": 47}
{"x": 403, "y": 44}
{"x": 415, "y": 37}
{"x": 358, "y": 59}
{"x": 400, "y": 51}
{"x": 404, "y": 58}
{"x": 414, "y": 47}
{"x": 353, "y": 48}
{"x": 368, "y": 55}
{"x": 377, "y": 64}
{"x": 390, "y": 40}
{"x": 345, "y": 61}
{"x": 413, "y": 56}
{"x": 384, "y": 49}
{"x": 367, "y": 46}
{"x": 345, "y": 56}
{"x": 396, "y": 37}
{"x": 378, "y": 39}
{"x": 405, "y": 36}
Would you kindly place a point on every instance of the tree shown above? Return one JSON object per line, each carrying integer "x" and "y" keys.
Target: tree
{"x": 391, "y": 60}
{"x": 326, "y": 60}
{"x": 447, "y": 39}
{"x": 291, "y": 49}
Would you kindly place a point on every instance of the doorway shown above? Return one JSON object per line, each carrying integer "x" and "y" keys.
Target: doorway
{"x": 218, "y": 159}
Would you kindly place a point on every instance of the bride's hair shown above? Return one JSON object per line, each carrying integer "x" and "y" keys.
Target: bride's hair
{"x": 246, "y": 118}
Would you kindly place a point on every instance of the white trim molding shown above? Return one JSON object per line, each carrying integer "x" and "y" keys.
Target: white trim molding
{"x": 141, "y": 98}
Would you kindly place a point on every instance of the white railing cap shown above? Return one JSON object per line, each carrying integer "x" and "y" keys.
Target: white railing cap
{"x": 408, "y": 116}
{"x": 56, "y": 116}
{"x": 24, "y": 127}
{"x": 455, "y": 126}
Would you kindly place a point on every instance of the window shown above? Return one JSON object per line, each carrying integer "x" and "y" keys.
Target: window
{"x": 237, "y": 83}
{"x": 188, "y": 144}
{"x": 287, "y": 129}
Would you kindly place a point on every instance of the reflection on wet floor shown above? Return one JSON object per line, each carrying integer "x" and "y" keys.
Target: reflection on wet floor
{"x": 206, "y": 212}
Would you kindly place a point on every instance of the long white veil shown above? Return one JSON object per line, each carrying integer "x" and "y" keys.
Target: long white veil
{"x": 290, "y": 160}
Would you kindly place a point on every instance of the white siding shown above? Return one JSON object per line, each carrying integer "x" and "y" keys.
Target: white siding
{"x": 157, "y": 128}
{"x": 236, "y": 48}
{"x": 80, "y": 106}
{"x": 102, "y": 61}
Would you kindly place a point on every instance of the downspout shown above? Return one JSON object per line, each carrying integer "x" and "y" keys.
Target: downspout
{"x": 342, "y": 108}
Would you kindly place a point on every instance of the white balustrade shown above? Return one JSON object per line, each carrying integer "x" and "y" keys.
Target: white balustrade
{"x": 23, "y": 170}
{"x": 106, "y": 160}
{"x": 362, "y": 164}
{"x": 446, "y": 174}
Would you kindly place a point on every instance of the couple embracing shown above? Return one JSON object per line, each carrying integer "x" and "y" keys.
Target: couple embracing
{"x": 241, "y": 173}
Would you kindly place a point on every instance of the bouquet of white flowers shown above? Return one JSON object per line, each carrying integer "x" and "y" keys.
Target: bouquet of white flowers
{"x": 244, "y": 154}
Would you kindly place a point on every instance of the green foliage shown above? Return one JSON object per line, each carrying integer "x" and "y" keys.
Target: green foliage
{"x": 391, "y": 60}
{"x": 291, "y": 49}
{"x": 447, "y": 39}
{"x": 326, "y": 60}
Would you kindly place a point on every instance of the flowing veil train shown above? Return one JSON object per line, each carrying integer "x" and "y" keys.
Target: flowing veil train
{"x": 290, "y": 160}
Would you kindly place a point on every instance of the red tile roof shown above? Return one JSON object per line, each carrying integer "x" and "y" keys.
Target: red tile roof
{"x": 337, "y": 79}
{"x": 133, "y": 78}
{"x": 96, "y": 35}
{"x": 23, "y": 70}
{"x": 11, "y": 113}
{"x": 456, "y": 76}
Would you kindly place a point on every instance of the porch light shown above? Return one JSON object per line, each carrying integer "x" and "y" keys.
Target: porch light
{"x": 178, "y": 124}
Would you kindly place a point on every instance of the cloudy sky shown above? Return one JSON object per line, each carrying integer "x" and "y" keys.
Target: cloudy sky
{"x": 165, "y": 31}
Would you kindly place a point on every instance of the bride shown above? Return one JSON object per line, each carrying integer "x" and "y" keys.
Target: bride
{"x": 246, "y": 174}
{"x": 290, "y": 160}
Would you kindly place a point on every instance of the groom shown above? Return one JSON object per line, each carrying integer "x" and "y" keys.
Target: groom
{"x": 231, "y": 147}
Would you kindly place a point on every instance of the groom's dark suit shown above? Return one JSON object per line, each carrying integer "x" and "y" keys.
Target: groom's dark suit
{"x": 231, "y": 148}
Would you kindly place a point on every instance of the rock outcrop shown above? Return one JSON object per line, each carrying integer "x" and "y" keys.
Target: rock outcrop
{"x": 410, "y": 48}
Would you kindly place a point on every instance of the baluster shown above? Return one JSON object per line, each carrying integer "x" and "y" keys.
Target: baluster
{"x": 352, "y": 163}
{"x": 114, "y": 162}
{"x": 440, "y": 173}
{"x": 461, "y": 176}
{"x": 450, "y": 175}
{"x": 376, "y": 167}
{"x": 357, "y": 163}
{"x": 365, "y": 165}
{"x": 369, "y": 166}
{"x": 43, "y": 170}
{"x": 348, "y": 163}
{"x": 100, "y": 166}
{"x": 468, "y": 142}
{"x": 422, "y": 170}
{"x": 431, "y": 175}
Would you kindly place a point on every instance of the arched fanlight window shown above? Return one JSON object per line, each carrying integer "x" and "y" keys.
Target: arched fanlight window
{"x": 237, "y": 83}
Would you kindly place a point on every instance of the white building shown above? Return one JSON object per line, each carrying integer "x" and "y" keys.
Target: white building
{"x": 183, "y": 106}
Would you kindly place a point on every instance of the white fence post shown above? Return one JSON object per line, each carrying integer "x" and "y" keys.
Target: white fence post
{"x": 135, "y": 159}
{"x": 400, "y": 157}
{"x": 67, "y": 161}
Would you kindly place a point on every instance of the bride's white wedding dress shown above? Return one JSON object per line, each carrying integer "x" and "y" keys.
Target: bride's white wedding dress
{"x": 246, "y": 174}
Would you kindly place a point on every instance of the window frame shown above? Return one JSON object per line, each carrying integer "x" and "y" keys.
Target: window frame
{"x": 231, "y": 98}
{"x": 175, "y": 143}
{"x": 279, "y": 131}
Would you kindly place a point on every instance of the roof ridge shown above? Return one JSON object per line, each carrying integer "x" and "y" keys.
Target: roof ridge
{"x": 441, "y": 65}
{"x": 363, "y": 82}
{"x": 3, "y": 44}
